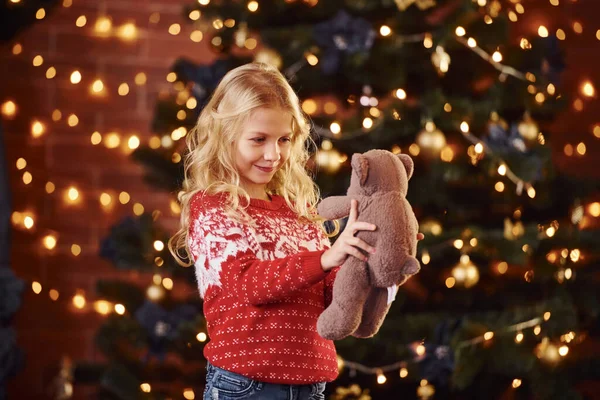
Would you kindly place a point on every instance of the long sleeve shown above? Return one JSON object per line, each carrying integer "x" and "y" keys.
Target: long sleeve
{"x": 329, "y": 285}
{"x": 227, "y": 254}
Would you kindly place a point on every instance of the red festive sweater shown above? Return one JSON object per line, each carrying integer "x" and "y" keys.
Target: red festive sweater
{"x": 263, "y": 290}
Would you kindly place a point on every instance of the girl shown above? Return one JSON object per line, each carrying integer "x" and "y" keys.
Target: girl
{"x": 264, "y": 265}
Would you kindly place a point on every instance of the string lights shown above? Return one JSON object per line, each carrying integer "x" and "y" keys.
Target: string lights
{"x": 128, "y": 31}
{"x": 546, "y": 350}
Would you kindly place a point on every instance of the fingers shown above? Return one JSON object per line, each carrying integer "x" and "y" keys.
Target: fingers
{"x": 353, "y": 251}
{"x": 353, "y": 211}
{"x": 420, "y": 236}
{"x": 356, "y": 242}
{"x": 360, "y": 226}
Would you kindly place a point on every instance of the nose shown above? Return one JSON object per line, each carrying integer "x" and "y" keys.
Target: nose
{"x": 272, "y": 153}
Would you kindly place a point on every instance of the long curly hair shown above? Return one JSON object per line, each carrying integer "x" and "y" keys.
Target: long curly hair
{"x": 209, "y": 164}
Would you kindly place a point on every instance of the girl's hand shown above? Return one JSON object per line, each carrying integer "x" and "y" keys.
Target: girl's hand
{"x": 420, "y": 236}
{"x": 347, "y": 244}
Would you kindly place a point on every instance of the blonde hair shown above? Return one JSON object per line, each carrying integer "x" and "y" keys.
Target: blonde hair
{"x": 209, "y": 164}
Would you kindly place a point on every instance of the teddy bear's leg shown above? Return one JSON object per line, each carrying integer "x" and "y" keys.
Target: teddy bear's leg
{"x": 374, "y": 312}
{"x": 350, "y": 290}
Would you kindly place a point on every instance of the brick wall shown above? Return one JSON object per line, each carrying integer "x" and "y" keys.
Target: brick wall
{"x": 47, "y": 330}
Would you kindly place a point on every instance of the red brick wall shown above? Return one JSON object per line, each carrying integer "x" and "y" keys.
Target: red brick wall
{"x": 64, "y": 155}
{"x": 48, "y": 330}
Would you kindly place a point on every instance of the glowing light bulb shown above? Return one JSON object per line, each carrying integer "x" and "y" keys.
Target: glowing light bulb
{"x": 335, "y": 128}
{"x": 587, "y": 89}
{"x": 37, "y": 129}
{"x": 103, "y": 25}
{"x": 174, "y": 29}
{"x": 75, "y": 77}
{"x": 128, "y": 31}
{"x": 9, "y": 108}
{"x": 49, "y": 241}
{"x": 81, "y": 21}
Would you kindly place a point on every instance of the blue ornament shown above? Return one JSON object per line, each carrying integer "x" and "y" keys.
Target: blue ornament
{"x": 553, "y": 61}
{"x": 438, "y": 363}
{"x": 343, "y": 34}
{"x": 126, "y": 245}
{"x": 203, "y": 79}
{"x": 161, "y": 325}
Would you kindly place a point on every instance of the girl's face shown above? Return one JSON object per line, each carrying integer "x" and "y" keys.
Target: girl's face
{"x": 262, "y": 148}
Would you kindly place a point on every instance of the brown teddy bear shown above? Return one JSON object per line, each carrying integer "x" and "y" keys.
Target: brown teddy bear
{"x": 364, "y": 290}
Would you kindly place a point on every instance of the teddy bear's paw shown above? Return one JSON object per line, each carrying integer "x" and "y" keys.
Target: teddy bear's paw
{"x": 411, "y": 266}
{"x": 336, "y": 327}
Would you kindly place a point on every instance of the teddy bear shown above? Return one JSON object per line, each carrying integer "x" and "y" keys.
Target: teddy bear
{"x": 363, "y": 290}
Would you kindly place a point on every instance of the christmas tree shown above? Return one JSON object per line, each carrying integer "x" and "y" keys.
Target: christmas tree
{"x": 505, "y": 301}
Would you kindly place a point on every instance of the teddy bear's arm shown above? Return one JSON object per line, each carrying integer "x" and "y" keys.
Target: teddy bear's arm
{"x": 334, "y": 207}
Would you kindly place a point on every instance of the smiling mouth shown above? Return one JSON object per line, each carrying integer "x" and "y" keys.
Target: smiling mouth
{"x": 265, "y": 169}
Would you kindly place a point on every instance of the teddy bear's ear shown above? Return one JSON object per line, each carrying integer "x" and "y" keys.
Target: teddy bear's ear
{"x": 360, "y": 165}
{"x": 408, "y": 164}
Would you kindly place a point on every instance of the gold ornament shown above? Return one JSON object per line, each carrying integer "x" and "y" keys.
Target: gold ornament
{"x": 269, "y": 56}
{"x": 63, "y": 382}
{"x": 547, "y": 352}
{"x": 431, "y": 140}
{"x": 155, "y": 292}
{"x": 495, "y": 8}
{"x": 330, "y": 159}
{"x": 425, "y": 391}
{"x": 352, "y": 392}
{"x": 528, "y": 128}
{"x": 422, "y": 4}
{"x": 241, "y": 35}
{"x": 441, "y": 60}
{"x": 496, "y": 120}
{"x": 513, "y": 231}
{"x": 430, "y": 226}
{"x": 465, "y": 272}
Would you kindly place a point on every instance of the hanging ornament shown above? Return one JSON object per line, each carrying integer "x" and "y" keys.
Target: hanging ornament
{"x": 422, "y": 4}
{"x": 465, "y": 272}
{"x": 528, "y": 128}
{"x": 155, "y": 292}
{"x": 425, "y": 391}
{"x": 577, "y": 213}
{"x": 513, "y": 231}
{"x": 340, "y": 36}
{"x": 431, "y": 227}
{"x": 329, "y": 159}
{"x": 241, "y": 35}
{"x": 162, "y": 326}
{"x": 547, "y": 352}
{"x": 441, "y": 60}
{"x": 353, "y": 392}
{"x": 497, "y": 127}
{"x": 269, "y": 56}
{"x": 494, "y": 8}
{"x": 63, "y": 383}
{"x": 431, "y": 140}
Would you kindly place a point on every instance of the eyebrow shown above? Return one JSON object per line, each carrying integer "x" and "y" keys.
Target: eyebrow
{"x": 266, "y": 134}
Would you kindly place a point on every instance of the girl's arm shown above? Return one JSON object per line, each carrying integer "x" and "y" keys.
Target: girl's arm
{"x": 225, "y": 254}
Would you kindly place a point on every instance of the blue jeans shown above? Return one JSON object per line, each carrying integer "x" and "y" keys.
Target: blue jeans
{"x": 225, "y": 385}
